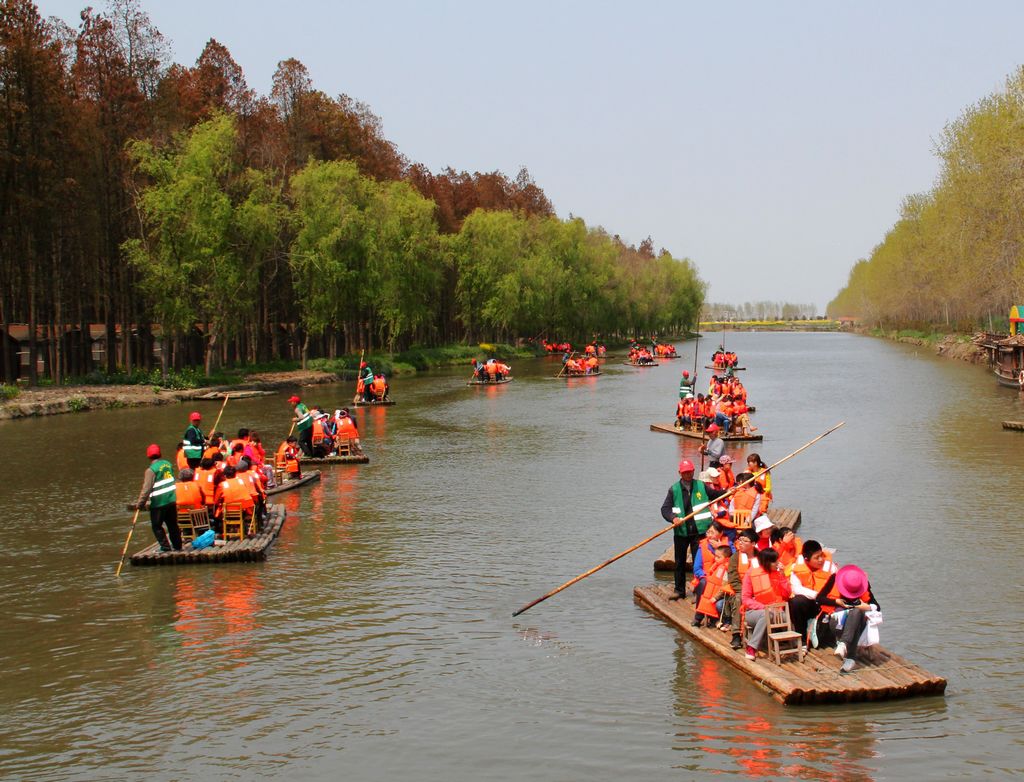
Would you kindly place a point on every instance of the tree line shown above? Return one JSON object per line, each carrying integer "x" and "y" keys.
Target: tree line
{"x": 956, "y": 255}
{"x": 177, "y": 207}
{"x": 759, "y": 310}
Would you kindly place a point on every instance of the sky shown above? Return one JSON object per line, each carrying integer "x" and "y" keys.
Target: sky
{"x": 771, "y": 143}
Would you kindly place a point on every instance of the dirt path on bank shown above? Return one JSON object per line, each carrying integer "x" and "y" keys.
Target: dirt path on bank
{"x": 54, "y": 400}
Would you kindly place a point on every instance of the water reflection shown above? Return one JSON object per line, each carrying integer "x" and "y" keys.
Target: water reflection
{"x": 215, "y": 617}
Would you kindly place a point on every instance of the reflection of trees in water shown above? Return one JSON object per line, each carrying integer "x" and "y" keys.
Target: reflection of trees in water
{"x": 727, "y": 725}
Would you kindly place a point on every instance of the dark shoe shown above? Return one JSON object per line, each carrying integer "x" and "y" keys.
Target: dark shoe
{"x": 164, "y": 549}
{"x": 736, "y": 643}
{"x": 676, "y": 596}
{"x": 698, "y": 622}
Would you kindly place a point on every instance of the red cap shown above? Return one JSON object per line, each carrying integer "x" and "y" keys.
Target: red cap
{"x": 194, "y": 417}
{"x": 713, "y": 428}
{"x": 293, "y": 399}
{"x": 685, "y": 466}
{"x": 153, "y": 451}
{"x": 362, "y": 364}
{"x": 686, "y": 373}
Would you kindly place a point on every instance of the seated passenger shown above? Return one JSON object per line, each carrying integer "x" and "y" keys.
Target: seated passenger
{"x": 762, "y": 587}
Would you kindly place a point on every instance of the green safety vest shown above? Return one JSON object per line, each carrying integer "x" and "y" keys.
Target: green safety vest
{"x": 699, "y": 502}
{"x": 305, "y": 419}
{"x": 193, "y": 451}
{"x": 162, "y": 492}
{"x": 685, "y": 387}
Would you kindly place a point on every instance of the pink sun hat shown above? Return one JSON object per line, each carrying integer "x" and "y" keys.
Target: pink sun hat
{"x": 851, "y": 581}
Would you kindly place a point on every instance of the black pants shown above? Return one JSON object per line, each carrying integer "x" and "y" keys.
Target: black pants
{"x": 681, "y": 545}
{"x": 166, "y": 515}
{"x": 306, "y": 441}
{"x": 193, "y": 463}
{"x": 801, "y": 611}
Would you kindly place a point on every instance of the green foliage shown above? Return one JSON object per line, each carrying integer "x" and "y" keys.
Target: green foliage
{"x": 77, "y": 404}
{"x": 9, "y": 392}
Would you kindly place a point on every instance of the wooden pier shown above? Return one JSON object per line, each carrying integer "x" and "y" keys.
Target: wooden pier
{"x": 1016, "y": 425}
{"x": 782, "y": 517}
{"x": 697, "y": 434}
{"x": 815, "y": 679}
{"x": 251, "y": 549}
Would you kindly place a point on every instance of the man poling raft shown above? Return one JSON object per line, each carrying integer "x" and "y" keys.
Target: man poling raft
{"x": 371, "y": 388}
{"x": 491, "y": 371}
{"x": 193, "y": 440}
{"x": 661, "y": 532}
{"x": 303, "y": 423}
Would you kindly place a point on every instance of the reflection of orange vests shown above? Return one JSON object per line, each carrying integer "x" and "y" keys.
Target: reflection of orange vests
{"x": 716, "y": 585}
{"x": 187, "y": 494}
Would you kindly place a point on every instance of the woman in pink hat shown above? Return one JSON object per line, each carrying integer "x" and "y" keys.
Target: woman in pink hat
{"x": 852, "y": 597}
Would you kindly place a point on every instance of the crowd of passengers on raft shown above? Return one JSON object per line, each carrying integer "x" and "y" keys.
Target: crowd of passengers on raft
{"x": 371, "y": 387}
{"x": 723, "y": 359}
{"x": 491, "y": 370}
{"x": 743, "y": 563}
{"x": 724, "y": 407}
{"x": 218, "y": 473}
{"x": 588, "y": 365}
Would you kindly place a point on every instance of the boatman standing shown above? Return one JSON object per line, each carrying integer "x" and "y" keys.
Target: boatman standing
{"x": 684, "y": 497}
{"x": 715, "y": 447}
{"x": 366, "y": 379}
{"x": 686, "y": 385}
{"x": 303, "y": 425}
{"x": 158, "y": 490}
{"x": 193, "y": 441}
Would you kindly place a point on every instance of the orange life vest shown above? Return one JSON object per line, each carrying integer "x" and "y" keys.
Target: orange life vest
{"x": 187, "y": 494}
{"x": 236, "y": 494}
{"x": 716, "y": 585}
{"x": 763, "y": 588}
{"x": 205, "y": 480}
{"x": 318, "y": 428}
{"x": 814, "y": 580}
{"x": 210, "y": 452}
{"x": 346, "y": 429}
{"x": 788, "y": 556}
{"x": 181, "y": 461}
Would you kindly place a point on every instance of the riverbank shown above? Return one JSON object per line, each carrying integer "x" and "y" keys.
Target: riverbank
{"x": 77, "y": 398}
{"x": 956, "y": 346}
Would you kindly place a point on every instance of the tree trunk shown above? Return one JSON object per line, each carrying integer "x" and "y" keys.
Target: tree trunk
{"x": 305, "y": 351}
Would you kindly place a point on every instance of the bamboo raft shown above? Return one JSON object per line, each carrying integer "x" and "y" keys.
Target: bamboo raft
{"x": 1017, "y": 425}
{"x": 356, "y": 457}
{"x": 567, "y": 375}
{"x": 725, "y": 369}
{"x": 653, "y": 363}
{"x": 814, "y": 680}
{"x": 782, "y": 517}
{"x": 489, "y": 382}
{"x": 295, "y": 483}
{"x": 375, "y": 403}
{"x": 251, "y": 549}
{"x": 233, "y": 394}
{"x": 696, "y": 434}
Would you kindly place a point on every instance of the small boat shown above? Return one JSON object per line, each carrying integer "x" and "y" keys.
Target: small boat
{"x": 375, "y": 403}
{"x": 697, "y": 434}
{"x": 568, "y": 375}
{"x": 294, "y": 483}
{"x": 814, "y": 678}
{"x": 489, "y": 382}
{"x": 725, "y": 369}
{"x": 212, "y": 395}
{"x": 646, "y": 364}
{"x": 251, "y": 549}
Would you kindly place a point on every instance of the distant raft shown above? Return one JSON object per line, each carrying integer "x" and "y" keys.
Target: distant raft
{"x": 501, "y": 382}
{"x": 725, "y": 369}
{"x": 696, "y": 434}
{"x": 358, "y": 402}
{"x": 568, "y": 375}
{"x": 353, "y": 456}
{"x": 645, "y": 364}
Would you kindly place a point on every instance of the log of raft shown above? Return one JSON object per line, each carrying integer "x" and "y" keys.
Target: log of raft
{"x": 724, "y": 369}
{"x": 645, "y": 365}
{"x": 247, "y": 550}
{"x": 567, "y": 375}
{"x": 815, "y": 679}
{"x": 356, "y": 457}
{"x": 374, "y": 403}
{"x": 489, "y": 382}
{"x": 782, "y": 517}
{"x": 1017, "y": 425}
{"x": 294, "y": 483}
{"x": 696, "y": 434}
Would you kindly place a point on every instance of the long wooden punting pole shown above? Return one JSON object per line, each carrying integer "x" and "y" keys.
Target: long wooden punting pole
{"x": 564, "y": 364}
{"x": 359, "y": 372}
{"x": 215, "y": 423}
{"x": 126, "y": 542}
{"x": 648, "y": 539}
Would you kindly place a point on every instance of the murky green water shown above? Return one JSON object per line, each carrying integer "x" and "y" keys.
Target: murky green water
{"x": 377, "y": 642}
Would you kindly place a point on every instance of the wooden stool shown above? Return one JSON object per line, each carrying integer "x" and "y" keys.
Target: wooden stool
{"x": 783, "y": 641}
{"x": 741, "y": 519}
{"x": 234, "y": 524}
{"x": 345, "y": 447}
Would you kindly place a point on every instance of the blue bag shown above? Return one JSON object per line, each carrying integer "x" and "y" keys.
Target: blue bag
{"x": 205, "y": 540}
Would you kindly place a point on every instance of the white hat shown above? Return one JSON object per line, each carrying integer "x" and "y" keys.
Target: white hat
{"x": 689, "y": 396}
{"x": 712, "y": 472}
{"x": 762, "y": 523}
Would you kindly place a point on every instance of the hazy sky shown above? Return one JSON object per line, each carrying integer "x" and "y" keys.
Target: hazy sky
{"x": 770, "y": 142}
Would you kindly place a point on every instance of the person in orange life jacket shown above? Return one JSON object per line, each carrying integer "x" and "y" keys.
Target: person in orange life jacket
{"x": 723, "y": 413}
{"x": 763, "y": 526}
{"x": 290, "y": 450}
{"x": 158, "y": 491}
{"x": 345, "y": 426}
{"x": 811, "y": 571}
{"x": 257, "y": 491}
{"x": 712, "y": 601}
{"x": 726, "y": 479}
{"x": 180, "y": 462}
{"x": 207, "y": 476}
{"x": 759, "y": 469}
{"x": 236, "y": 455}
{"x": 762, "y": 588}
{"x": 788, "y": 546}
{"x": 213, "y": 447}
{"x": 187, "y": 493}
{"x": 748, "y": 498}
{"x": 326, "y": 444}
{"x": 702, "y": 560}
{"x": 739, "y": 564}
{"x": 684, "y": 497}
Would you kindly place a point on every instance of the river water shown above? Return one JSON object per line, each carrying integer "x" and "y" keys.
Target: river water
{"x": 377, "y": 642}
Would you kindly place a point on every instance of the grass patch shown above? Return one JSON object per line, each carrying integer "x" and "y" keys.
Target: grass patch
{"x": 77, "y": 404}
{"x": 8, "y": 392}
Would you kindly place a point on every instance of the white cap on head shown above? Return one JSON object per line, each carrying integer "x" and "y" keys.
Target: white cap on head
{"x": 762, "y": 523}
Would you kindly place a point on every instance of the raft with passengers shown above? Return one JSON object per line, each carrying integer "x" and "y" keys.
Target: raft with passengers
{"x": 583, "y": 366}
{"x": 490, "y": 373}
{"x": 640, "y": 357}
{"x": 372, "y": 389}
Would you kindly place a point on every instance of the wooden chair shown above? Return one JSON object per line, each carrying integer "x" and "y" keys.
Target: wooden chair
{"x": 188, "y": 532}
{"x": 741, "y": 519}
{"x": 234, "y": 524}
{"x": 318, "y": 439}
{"x": 200, "y": 519}
{"x": 345, "y": 448}
{"x": 279, "y": 465}
{"x": 783, "y": 641}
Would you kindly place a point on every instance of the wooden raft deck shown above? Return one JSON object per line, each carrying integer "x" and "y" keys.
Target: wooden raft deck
{"x": 374, "y": 403}
{"x": 651, "y": 365}
{"x": 725, "y": 369}
{"x": 501, "y": 382}
{"x": 1017, "y": 425}
{"x": 696, "y": 434}
{"x": 295, "y": 483}
{"x": 814, "y": 680}
{"x": 358, "y": 457}
{"x": 251, "y": 549}
{"x": 783, "y": 517}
